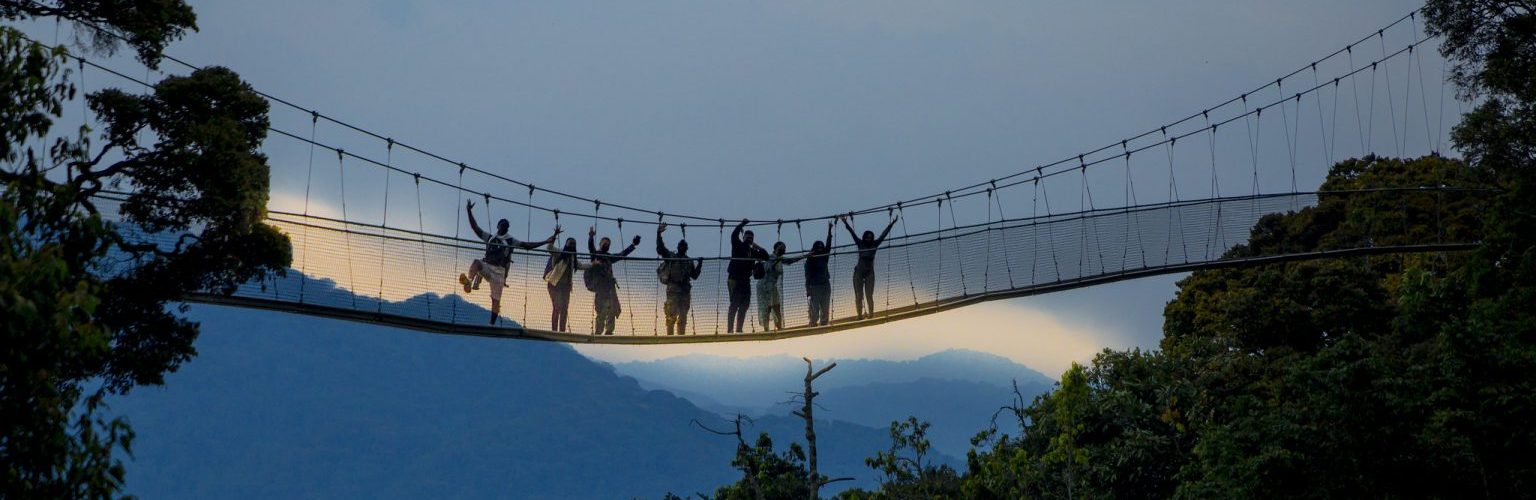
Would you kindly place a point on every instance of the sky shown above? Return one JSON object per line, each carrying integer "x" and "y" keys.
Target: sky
{"x": 770, "y": 110}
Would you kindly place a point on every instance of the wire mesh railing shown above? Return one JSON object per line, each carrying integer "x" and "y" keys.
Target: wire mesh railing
{"x": 392, "y": 275}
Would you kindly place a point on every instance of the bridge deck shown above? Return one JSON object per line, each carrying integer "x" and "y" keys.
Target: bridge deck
{"x": 896, "y": 314}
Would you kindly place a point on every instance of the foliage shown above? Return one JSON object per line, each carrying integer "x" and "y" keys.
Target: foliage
{"x": 89, "y": 305}
{"x": 1405, "y": 375}
{"x": 766, "y": 474}
{"x": 147, "y": 27}
{"x": 906, "y": 468}
{"x": 1398, "y": 376}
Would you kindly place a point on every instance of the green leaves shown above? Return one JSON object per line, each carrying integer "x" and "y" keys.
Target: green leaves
{"x": 87, "y": 308}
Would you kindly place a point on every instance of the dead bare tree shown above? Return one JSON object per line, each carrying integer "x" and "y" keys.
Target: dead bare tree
{"x": 808, "y": 403}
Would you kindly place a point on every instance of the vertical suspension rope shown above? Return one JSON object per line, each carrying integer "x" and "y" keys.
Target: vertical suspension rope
{"x": 800, "y": 236}
{"x": 1322, "y": 130}
{"x": 1253, "y": 142}
{"x": 1083, "y": 218}
{"x": 597, "y": 210}
{"x": 1051, "y": 230}
{"x": 889, "y": 212}
{"x": 1429, "y": 141}
{"x": 488, "y": 218}
{"x": 1135, "y": 215}
{"x": 1333, "y": 126}
{"x": 959, "y": 252}
{"x": 692, "y": 317}
{"x": 1439, "y": 141}
{"x": 1173, "y": 211}
{"x": 906, "y": 246}
{"x": 384, "y": 220}
{"x": 1407, "y": 97}
{"x": 457, "y": 250}
{"x": 938, "y": 282}
{"x": 749, "y": 323}
{"x": 308, "y": 181}
{"x": 986, "y": 271}
{"x": 1003, "y": 221}
{"x": 1217, "y": 238}
{"x": 421, "y": 238}
{"x": 1034, "y": 230}
{"x": 346, "y": 225}
{"x": 1391, "y": 102}
{"x": 1370, "y": 115}
{"x": 655, "y": 304}
{"x": 1092, "y": 219}
{"x": 528, "y": 236}
{"x": 1292, "y": 138}
{"x": 1354, "y": 84}
{"x": 832, "y": 263}
{"x": 720, "y": 253}
{"x": 558, "y": 247}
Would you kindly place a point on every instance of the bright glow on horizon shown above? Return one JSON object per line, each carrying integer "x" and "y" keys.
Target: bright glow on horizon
{"x": 1011, "y": 329}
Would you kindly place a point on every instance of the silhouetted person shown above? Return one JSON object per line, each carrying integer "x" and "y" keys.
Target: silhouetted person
{"x": 738, "y": 277}
{"x": 498, "y": 255}
{"x": 558, "y": 274}
{"x": 818, "y": 280}
{"x": 602, "y": 283}
{"x": 864, "y": 271}
{"x": 770, "y": 301}
{"x": 677, "y": 273}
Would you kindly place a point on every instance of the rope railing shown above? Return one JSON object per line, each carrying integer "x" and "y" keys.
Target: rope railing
{"x": 405, "y": 294}
{"x": 373, "y": 271}
{"x": 1067, "y": 164}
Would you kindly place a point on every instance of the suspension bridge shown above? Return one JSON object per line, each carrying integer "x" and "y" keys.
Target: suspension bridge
{"x": 1178, "y": 197}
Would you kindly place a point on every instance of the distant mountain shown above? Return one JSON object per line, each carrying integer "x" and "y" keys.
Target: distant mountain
{"x": 955, "y": 390}
{"x": 283, "y": 406}
{"x": 958, "y": 409}
{"x": 756, "y": 384}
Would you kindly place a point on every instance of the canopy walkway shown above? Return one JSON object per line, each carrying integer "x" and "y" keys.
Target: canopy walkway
{"x": 376, "y": 269}
{"x": 402, "y": 278}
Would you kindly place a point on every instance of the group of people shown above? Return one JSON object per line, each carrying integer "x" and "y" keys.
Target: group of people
{"x": 677, "y": 272}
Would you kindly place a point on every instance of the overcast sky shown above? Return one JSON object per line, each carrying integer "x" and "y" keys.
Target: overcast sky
{"x": 777, "y": 109}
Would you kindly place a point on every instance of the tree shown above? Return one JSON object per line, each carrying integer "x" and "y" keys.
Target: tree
{"x": 1490, "y": 347}
{"x": 806, "y": 412}
{"x": 147, "y": 27}
{"x": 766, "y": 474}
{"x": 1373, "y": 376}
{"x": 90, "y": 279}
{"x": 906, "y": 469}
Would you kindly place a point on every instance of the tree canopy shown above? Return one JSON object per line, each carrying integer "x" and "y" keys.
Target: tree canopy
{"x": 100, "y": 243}
{"x": 1403, "y": 375}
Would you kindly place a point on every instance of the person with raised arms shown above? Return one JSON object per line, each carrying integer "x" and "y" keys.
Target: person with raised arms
{"x": 498, "y": 255}
{"x": 677, "y": 272}
{"x": 864, "y": 270}
{"x": 600, "y": 281}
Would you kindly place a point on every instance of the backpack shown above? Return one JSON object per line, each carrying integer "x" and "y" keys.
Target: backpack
{"x": 672, "y": 271}
{"x": 589, "y": 278}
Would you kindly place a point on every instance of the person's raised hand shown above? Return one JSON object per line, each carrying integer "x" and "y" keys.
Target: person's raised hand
{"x": 469, "y": 204}
{"x": 592, "y": 231}
{"x": 636, "y": 241}
{"x": 661, "y": 227}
